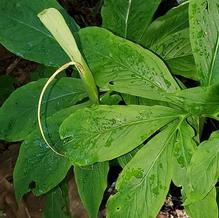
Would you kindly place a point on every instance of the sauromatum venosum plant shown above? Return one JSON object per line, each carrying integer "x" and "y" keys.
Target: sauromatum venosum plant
{"x": 129, "y": 107}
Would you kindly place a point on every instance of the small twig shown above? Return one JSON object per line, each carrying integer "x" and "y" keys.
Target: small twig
{"x": 12, "y": 66}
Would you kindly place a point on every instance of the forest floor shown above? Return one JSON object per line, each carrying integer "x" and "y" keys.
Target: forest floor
{"x": 17, "y": 72}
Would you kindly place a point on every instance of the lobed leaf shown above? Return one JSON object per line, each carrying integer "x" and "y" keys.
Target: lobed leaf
{"x": 145, "y": 179}
{"x": 91, "y": 183}
{"x": 101, "y": 133}
{"x": 20, "y": 109}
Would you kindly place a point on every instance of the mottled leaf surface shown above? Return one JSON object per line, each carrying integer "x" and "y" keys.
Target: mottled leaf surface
{"x": 144, "y": 182}
{"x": 20, "y": 109}
{"x": 38, "y": 163}
{"x": 22, "y": 33}
{"x": 203, "y": 171}
{"x": 55, "y": 205}
{"x": 129, "y": 18}
{"x": 123, "y": 66}
{"x": 91, "y": 183}
{"x": 204, "y": 208}
{"x": 101, "y": 133}
{"x": 204, "y": 27}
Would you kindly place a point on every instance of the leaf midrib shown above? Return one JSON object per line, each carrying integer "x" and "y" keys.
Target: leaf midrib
{"x": 98, "y": 134}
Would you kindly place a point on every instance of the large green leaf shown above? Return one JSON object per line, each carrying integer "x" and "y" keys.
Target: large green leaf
{"x": 204, "y": 27}
{"x": 205, "y": 208}
{"x": 55, "y": 205}
{"x": 91, "y": 183}
{"x": 144, "y": 182}
{"x": 123, "y": 66}
{"x": 102, "y": 132}
{"x": 168, "y": 36}
{"x": 129, "y": 18}
{"x": 203, "y": 170}
{"x": 20, "y": 109}
{"x": 184, "y": 148}
{"x": 38, "y": 163}
{"x": 22, "y": 33}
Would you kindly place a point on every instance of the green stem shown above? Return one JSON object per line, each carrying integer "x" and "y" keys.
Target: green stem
{"x": 55, "y": 23}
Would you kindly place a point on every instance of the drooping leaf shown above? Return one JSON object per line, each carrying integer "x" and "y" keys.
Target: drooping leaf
{"x": 91, "y": 183}
{"x": 203, "y": 170}
{"x": 55, "y": 205}
{"x": 57, "y": 26}
{"x": 204, "y": 208}
{"x": 184, "y": 148}
{"x": 38, "y": 163}
{"x": 22, "y": 33}
{"x": 20, "y": 109}
{"x": 101, "y": 133}
{"x": 144, "y": 182}
{"x": 123, "y": 66}
{"x": 168, "y": 36}
{"x": 129, "y": 18}
{"x": 204, "y": 28}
